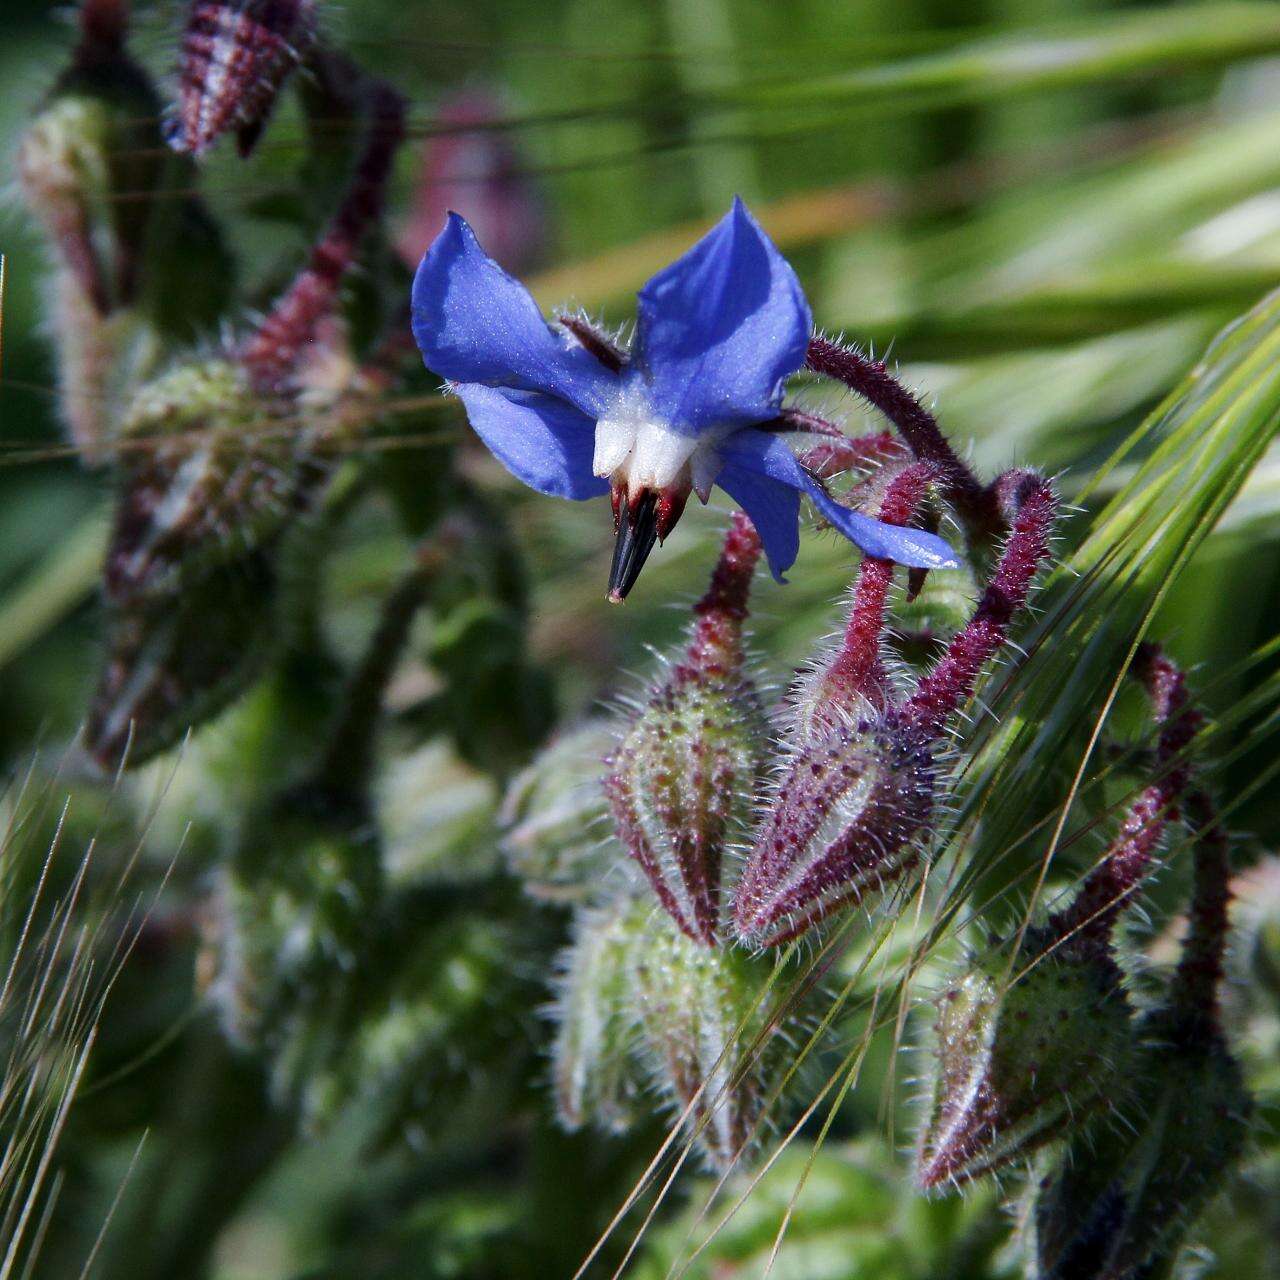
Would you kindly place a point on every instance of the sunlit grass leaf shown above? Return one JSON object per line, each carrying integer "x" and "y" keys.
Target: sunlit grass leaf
{"x": 1068, "y": 56}
{"x": 1201, "y": 446}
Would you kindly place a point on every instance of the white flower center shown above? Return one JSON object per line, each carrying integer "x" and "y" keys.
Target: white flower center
{"x": 636, "y": 450}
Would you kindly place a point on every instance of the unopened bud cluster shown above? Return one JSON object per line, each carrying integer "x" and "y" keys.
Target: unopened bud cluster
{"x": 751, "y": 827}
{"x": 1039, "y": 1041}
{"x": 215, "y": 450}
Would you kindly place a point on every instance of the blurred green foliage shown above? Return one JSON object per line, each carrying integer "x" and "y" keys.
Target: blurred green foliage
{"x": 1049, "y": 209}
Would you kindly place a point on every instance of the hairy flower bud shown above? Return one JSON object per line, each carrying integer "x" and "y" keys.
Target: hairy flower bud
{"x": 293, "y": 915}
{"x": 236, "y": 56}
{"x": 436, "y": 818}
{"x": 706, "y": 1035}
{"x": 87, "y": 165}
{"x": 682, "y": 781}
{"x": 210, "y": 478}
{"x": 63, "y": 171}
{"x": 1024, "y": 1050}
{"x": 1121, "y": 1200}
{"x": 592, "y": 1066}
{"x": 92, "y": 142}
{"x": 208, "y": 488}
{"x": 174, "y": 660}
{"x": 555, "y": 818}
{"x": 845, "y": 822}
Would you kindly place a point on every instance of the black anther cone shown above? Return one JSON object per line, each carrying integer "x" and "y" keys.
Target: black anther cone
{"x": 637, "y": 532}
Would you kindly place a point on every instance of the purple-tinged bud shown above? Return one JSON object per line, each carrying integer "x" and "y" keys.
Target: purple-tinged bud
{"x": 470, "y": 166}
{"x": 593, "y": 1070}
{"x": 88, "y": 164}
{"x": 208, "y": 479}
{"x": 846, "y": 821}
{"x": 682, "y": 781}
{"x": 211, "y": 481}
{"x": 1123, "y": 1196}
{"x": 1025, "y": 1049}
{"x": 236, "y": 56}
{"x": 555, "y": 819}
{"x": 64, "y": 175}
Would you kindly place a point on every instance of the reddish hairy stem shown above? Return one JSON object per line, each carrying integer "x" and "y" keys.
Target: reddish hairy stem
{"x": 1199, "y": 973}
{"x": 1028, "y": 503}
{"x": 272, "y": 354}
{"x": 872, "y": 380}
{"x": 719, "y": 615}
{"x": 1197, "y": 982}
{"x": 1110, "y": 886}
{"x": 857, "y": 670}
{"x": 600, "y": 345}
{"x": 103, "y": 24}
{"x": 835, "y": 454}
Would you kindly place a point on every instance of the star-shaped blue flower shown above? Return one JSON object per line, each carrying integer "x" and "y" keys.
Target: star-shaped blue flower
{"x": 718, "y": 333}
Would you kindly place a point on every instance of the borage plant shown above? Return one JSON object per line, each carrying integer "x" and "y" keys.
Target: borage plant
{"x": 754, "y": 827}
{"x": 736, "y": 863}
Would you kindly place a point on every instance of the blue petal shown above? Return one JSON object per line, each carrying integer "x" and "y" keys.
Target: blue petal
{"x": 912, "y": 547}
{"x": 539, "y": 439}
{"x": 774, "y": 510}
{"x": 474, "y": 323}
{"x": 720, "y": 329}
{"x": 768, "y": 456}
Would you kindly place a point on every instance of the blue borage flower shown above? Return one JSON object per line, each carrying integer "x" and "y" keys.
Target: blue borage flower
{"x": 695, "y": 403}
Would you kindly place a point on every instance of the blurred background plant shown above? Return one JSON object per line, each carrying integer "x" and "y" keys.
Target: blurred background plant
{"x": 354, "y": 670}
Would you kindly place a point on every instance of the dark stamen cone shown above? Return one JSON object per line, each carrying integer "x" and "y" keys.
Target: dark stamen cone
{"x": 637, "y": 533}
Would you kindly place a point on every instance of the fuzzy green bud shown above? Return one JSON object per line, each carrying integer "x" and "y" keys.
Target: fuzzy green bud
{"x": 1119, "y": 1203}
{"x": 88, "y": 143}
{"x": 191, "y": 578}
{"x": 214, "y": 479}
{"x": 292, "y": 917}
{"x": 592, "y": 1065}
{"x": 555, "y": 819}
{"x": 1025, "y": 1050}
{"x": 92, "y": 168}
{"x": 643, "y": 1005}
{"x": 706, "y": 1035}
